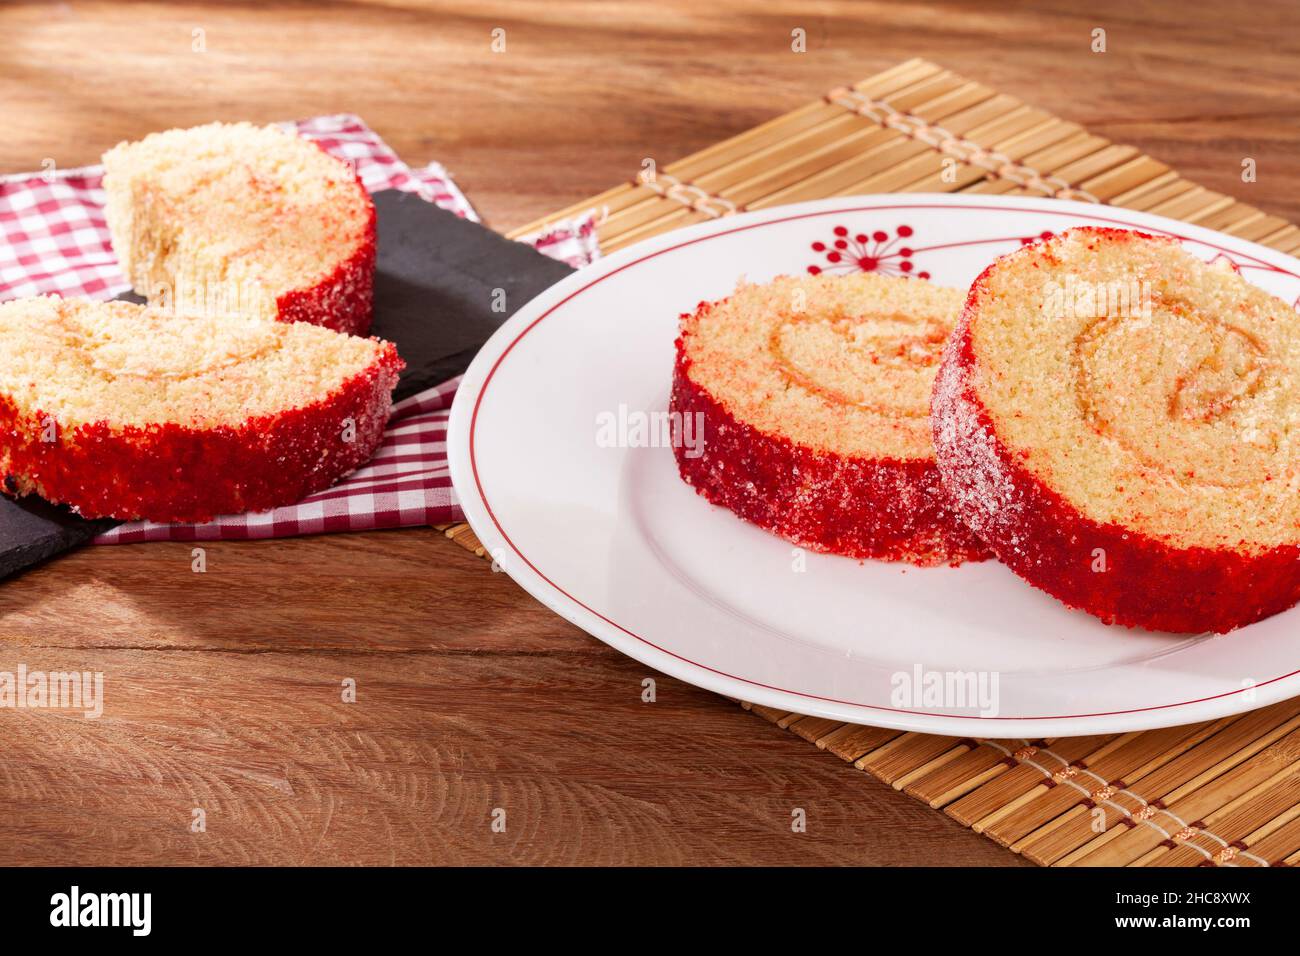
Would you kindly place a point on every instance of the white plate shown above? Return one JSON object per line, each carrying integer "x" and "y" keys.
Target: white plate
{"x": 611, "y": 539}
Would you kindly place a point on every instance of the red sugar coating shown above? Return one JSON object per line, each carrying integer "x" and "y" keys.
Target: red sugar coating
{"x": 859, "y": 507}
{"x": 1047, "y": 541}
{"x": 177, "y": 473}
{"x": 344, "y": 299}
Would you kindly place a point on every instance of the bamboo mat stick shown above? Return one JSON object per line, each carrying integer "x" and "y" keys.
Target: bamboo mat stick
{"x": 1056, "y": 766}
{"x": 838, "y": 127}
{"x": 1204, "y": 838}
{"x": 1242, "y": 779}
{"x": 962, "y": 784}
{"x": 841, "y": 177}
{"x": 1106, "y": 810}
{"x": 1277, "y": 844}
{"x": 1194, "y": 205}
{"x": 1241, "y": 744}
{"x": 743, "y": 179}
{"x": 1124, "y": 177}
{"x": 774, "y": 131}
{"x": 771, "y": 714}
{"x": 1286, "y": 239}
{"x": 937, "y": 763}
{"x": 1237, "y": 740}
{"x": 1230, "y": 827}
{"x": 890, "y": 82}
{"x": 813, "y": 729}
{"x": 853, "y": 741}
{"x": 889, "y": 762}
{"x": 1256, "y": 229}
{"x": 1014, "y": 134}
{"x": 1032, "y": 767}
{"x": 1144, "y": 753}
{"x": 956, "y": 778}
{"x": 1092, "y": 778}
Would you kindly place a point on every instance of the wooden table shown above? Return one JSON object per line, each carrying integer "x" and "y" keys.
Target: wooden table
{"x": 225, "y": 689}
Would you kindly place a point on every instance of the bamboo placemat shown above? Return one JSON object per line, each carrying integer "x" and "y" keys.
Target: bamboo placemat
{"x": 1223, "y": 793}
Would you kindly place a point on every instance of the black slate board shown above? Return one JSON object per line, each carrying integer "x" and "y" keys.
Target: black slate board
{"x": 437, "y": 278}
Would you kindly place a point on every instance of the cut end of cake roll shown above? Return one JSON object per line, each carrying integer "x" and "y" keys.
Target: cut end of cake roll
{"x": 808, "y": 402}
{"x": 1119, "y": 421}
{"x": 122, "y": 411}
{"x": 243, "y": 219}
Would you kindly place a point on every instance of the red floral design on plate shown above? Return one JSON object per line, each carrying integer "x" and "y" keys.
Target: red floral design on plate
{"x": 1233, "y": 264}
{"x": 1045, "y": 234}
{"x": 876, "y": 251}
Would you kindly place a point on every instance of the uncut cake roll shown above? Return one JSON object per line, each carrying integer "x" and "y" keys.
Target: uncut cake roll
{"x": 243, "y": 219}
{"x": 810, "y": 400}
{"x": 1118, "y": 420}
{"x": 123, "y": 411}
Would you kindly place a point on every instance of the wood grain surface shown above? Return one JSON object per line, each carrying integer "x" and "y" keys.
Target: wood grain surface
{"x": 223, "y": 689}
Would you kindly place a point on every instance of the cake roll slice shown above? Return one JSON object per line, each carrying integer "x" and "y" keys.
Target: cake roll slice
{"x": 243, "y": 219}
{"x": 809, "y": 402}
{"x": 123, "y": 411}
{"x": 1120, "y": 421}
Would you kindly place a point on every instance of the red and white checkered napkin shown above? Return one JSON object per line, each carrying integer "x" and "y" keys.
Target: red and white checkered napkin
{"x": 53, "y": 239}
